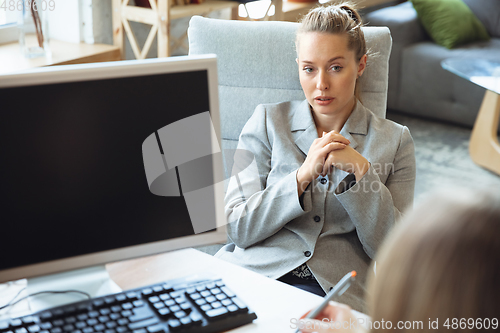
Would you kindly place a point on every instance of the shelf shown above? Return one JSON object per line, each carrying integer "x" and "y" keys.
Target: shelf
{"x": 63, "y": 53}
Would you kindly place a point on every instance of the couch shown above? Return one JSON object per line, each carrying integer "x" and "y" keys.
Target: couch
{"x": 417, "y": 83}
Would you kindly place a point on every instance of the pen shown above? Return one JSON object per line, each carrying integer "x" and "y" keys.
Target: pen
{"x": 338, "y": 290}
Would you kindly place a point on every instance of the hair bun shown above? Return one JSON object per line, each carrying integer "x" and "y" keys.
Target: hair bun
{"x": 352, "y": 13}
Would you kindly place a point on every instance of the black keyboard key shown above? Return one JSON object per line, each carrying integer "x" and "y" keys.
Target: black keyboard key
{"x": 201, "y": 301}
{"x": 141, "y": 314}
{"x": 228, "y": 292}
{"x": 164, "y": 312}
{"x": 116, "y": 308}
{"x": 147, "y": 291}
{"x": 122, "y": 329}
{"x": 88, "y": 330}
{"x": 103, "y": 319}
{"x": 185, "y": 306}
{"x": 70, "y": 320}
{"x": 68, "y": 328}
{"x": 45, "y": 315}
{"x": 138, "y": 303}
{"x": 108, "y": 331}
{"x": 232, "y": 308}
{"x": 93, "y": 314}
{"x": 132, "y": 295}
{"x": 226, "y": 302}
{"x": 105, "y": 311}
{"x": 122, "y": 322}
{"x": 143, "y": 323}
{"x": 175, "y": 308}
{"x": 58, "y": 313}
{"x": 82, "y": 317}
{"x": 99, "y": 327}
{"x": 191, "y": 290}
{"x": 58, "y": 322}
{"x": 180, "y": 299}
{"x": 211, "y": 285}
{"x": 114, "y": 316}
{"x": 142, "y": 330}
{"x": 121, "y": 298}
{"x": 180, "y": 314}
{"x": 92, "y": 322}
{"x": 154, "y": 299}
{"x": 169, "y": 302}
{"x": 157, "y": 289}
{"x": 110, "y": 300}
{"x": 210, "y": 299}
{"x": 159, "y": 305}
{"x": 111, "y": 324}
{"x": 215, "y": 291}
{"x": 201, "y": 288}
{"x": 239, "y": 303}
{"x": 98, "y": 303}
{"x": 127, "y": 306}
{"x": 216, "y": 313}
{"x": 34, "y": 329}
{"x": 174, "y": 324}
{"x": 56, "y": 330}
{"x": 80, "y": 325}
{"x": 126, "y": 313}
{"x": 220, "y": 283}
{"x": 46, "y": 325}
{"x": 16, "y": 322}
{"x": 195, "y": 296}
{"x": 185, "y": 321}
{"x": 206, "y": 307}
{"x": 221, "y": 296}
{"x": 216, "y": 305}
{"x": 156, "y": 328}
{"x": 205, "y": 293}
{"x": 196, "y": 318}
{"x": 164, "y": 297}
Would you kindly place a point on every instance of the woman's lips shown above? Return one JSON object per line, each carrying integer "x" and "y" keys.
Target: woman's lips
{"x": 323, "y": 100}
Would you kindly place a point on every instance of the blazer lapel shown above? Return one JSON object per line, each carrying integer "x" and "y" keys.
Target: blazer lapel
{"x": 357, "y": 123}
{"x": 303, "y": 127}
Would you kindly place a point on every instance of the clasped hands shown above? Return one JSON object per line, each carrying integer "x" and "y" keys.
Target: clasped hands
{"x": 330, "y": 150}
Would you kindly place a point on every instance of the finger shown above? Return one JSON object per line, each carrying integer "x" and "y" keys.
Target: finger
{"x": 333, "y": 146}
{"x": 335, "y": 136}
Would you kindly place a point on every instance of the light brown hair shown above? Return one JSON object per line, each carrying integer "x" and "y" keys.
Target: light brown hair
{"x": 341, "y": 18}
{"x": 442, "y": 262}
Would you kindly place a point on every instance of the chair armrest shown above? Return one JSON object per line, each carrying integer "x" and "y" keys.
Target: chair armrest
{"x": 402, "y": 21}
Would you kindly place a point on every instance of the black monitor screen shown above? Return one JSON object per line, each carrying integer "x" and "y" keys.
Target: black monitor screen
{"x": 72, "y": 178}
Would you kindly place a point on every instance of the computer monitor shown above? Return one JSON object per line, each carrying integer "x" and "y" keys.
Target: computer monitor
{"x": 109, "y": 161}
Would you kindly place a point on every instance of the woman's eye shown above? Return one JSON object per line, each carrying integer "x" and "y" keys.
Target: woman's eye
{"x": 336, "y": 68}
{"x": 308, "y": 69}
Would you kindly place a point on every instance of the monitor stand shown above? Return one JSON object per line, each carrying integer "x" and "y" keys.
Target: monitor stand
{"x": 93, "y": 280}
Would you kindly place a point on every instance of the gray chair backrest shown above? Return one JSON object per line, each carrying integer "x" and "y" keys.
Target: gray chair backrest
{"x": 256, "y": 65}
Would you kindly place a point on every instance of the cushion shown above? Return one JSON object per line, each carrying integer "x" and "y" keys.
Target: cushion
{"x": 449, "y": 22}
{"x": 488, "y": 12}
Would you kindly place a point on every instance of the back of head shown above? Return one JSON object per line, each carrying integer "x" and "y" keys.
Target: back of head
{"x": 441, "y": 262}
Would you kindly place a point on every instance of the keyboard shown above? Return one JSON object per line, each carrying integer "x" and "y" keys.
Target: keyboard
{"x": 182, "y": 305}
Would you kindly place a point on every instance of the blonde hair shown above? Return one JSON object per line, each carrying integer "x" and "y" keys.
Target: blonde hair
{"x": 341, "y": 18}
{"x": 441, "y": 262}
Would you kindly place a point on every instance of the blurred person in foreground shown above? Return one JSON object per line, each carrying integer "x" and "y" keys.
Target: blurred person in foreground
{"x": 440, "y": 266}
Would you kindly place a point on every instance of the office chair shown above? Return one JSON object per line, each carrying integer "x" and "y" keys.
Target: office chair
{"x": 256, "y": 65}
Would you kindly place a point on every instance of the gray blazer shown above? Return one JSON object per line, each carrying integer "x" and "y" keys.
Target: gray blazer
{"x": 333, "y": 228}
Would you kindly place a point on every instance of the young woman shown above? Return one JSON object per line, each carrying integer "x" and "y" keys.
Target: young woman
{"x": 332, "y": 177}
{"x": 437, "y": 272}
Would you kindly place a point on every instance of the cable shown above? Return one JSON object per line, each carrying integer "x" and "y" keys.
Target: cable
{"x": 12, "y": 303}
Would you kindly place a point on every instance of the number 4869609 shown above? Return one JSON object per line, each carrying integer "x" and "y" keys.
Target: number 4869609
{"x": 36, "y": 5}
{"x": 471, "y": 323}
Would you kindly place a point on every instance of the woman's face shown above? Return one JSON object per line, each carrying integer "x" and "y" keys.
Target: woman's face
{"x": 328, "y": 72}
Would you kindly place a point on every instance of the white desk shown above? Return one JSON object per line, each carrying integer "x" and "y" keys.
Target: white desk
{"x": 275, "y": 303}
